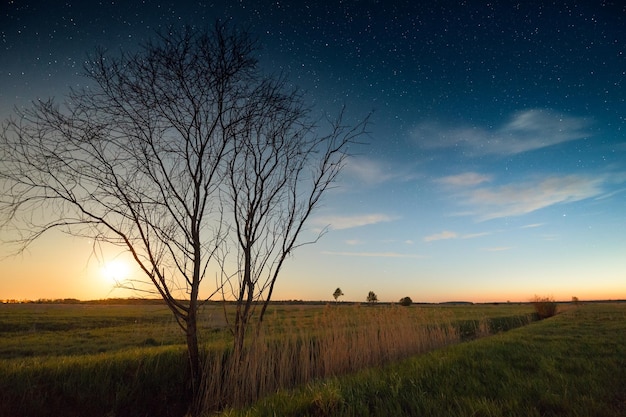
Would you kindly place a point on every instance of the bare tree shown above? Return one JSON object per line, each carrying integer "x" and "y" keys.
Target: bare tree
{"x": 278, "y": 174}
{"x": 186, "y": 156}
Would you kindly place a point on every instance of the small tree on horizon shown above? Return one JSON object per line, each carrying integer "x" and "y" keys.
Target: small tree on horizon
{"x": 372, "y": 297}
{"x": 406, "y": 301}
{"x": 338, "y": 293}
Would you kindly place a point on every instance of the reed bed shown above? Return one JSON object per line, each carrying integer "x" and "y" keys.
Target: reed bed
{"x": 569, "y": 365}
{"x": 340, "y": 340}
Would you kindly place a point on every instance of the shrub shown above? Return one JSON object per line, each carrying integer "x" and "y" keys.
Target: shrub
{"x": 406, "y": 301}
{"x": 544, "y": 307}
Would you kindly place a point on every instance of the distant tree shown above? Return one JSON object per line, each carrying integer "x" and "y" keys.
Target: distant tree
{"x": 338, "y": 293}
{"x": 372, "y": 297}
{"x": 575, "y": 300}
{"x": 406, "y": 301}
{"x": 186, "y": 155}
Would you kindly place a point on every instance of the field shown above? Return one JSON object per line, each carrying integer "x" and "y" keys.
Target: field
{"x": 45, "y": 330}
{"x": 335, "y": 360}
{"x": 573, "y": 364}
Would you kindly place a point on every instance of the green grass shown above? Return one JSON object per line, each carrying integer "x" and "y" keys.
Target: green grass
{"x": 39, "y": 330}
{"x": 478, "y": 311}
{"x": 131, "y": 382}
{"x": 36, "y": 330}
{"x": 573, "y": 364}
{"x": 81, "y": 360}
{"x": 114, "y": 360}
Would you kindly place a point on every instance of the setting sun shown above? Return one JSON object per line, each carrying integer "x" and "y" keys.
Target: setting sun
{"x": 115, "y": 271}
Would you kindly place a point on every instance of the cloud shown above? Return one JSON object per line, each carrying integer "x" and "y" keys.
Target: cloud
{"x": 611, "y": 194}
{"x": 373, "y": 172}
{"x": 526, "y": 197}
{"x": 468, "y": 179}
{"x": 525, "y": 131}
{"x": 348, "y": 222}
{"x": 441, "y": 236}
{"x": 532, "y": 226}
{"x": 445, "y": 235}
{"x": 475, "y": 235}
{"x": 375, "y": 254}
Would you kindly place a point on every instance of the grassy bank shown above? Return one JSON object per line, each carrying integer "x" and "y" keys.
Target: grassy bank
{"x": 124, "y": 360}
{"x": 134, "y": 382}
{"x": 573, "y": 364}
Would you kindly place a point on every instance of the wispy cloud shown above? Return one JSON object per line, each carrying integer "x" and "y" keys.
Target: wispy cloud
{"x": 467, "y": 179}
{"x": 532, "y": 226}
{"x": 446, "y": 234}
{"x": 441, "y": 236}
{"x": 370, "y": 171}
{"x": 348, "y": 222}
{"x": 525, "y": 131}
{"x": 522, "y": 198}
{"x": 475, "y": 235}
{"x": 375, "y": 254}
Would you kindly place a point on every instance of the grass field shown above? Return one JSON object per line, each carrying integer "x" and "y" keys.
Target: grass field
{"x": 573, "y": 364}
{"x": 41, "y": 330}
{"x": 107, "y": 360}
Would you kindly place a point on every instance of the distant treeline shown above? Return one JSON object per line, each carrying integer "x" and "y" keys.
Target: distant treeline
{"x": 141, "y": 301}
{"x": 111, "y": 301}
{"x": 158, "y": 301}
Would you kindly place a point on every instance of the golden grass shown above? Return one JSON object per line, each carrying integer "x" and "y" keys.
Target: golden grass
{"x": 334, "y": 341}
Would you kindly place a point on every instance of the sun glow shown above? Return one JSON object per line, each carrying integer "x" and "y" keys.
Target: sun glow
{"x": 115, "y": 271}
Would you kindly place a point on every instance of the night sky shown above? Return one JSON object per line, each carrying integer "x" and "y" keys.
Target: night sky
{"x": 495, "y": 167}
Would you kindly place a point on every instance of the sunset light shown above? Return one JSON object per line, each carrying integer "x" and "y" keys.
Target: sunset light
{"x": 115, "y": 271}
{"x": 493, "y": 169}
{"x": 338, "y": 208}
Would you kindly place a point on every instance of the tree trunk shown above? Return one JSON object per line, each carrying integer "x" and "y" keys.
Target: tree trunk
{"x": 244, "y": 307}
{"x": 195, "y": 371}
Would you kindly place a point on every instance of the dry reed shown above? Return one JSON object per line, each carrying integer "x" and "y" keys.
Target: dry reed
{"x": 339, "y": 340}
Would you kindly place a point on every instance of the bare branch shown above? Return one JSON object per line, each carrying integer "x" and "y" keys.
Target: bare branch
{"x": 184, "y": 155}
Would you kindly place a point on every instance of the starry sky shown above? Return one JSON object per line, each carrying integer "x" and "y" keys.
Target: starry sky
{"x": 495, "y": 166}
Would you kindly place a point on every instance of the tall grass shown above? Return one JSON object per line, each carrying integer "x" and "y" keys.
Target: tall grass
{"x": 570, "y": 365}
{"x": 544, "y": 306}
{"x": 341, "y": 340}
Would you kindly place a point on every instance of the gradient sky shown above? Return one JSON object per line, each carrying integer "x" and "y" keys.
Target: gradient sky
{"x": 496, "y": 164}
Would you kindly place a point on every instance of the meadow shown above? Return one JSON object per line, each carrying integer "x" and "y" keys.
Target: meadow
{"x": 118, "y": 360}
{"x": 573, "y": 364}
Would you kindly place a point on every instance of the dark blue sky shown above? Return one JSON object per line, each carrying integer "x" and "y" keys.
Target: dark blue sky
{"x": 496, "y": 162}
{"x": 460, "y": 55}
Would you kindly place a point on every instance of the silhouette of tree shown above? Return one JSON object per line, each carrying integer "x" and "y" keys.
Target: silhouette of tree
{"x": 184, "y": 154}
{"x": 406, "y": 301}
